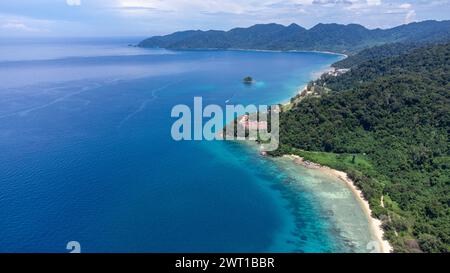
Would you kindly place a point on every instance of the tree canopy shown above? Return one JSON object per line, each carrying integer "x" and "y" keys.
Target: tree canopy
{"x": 393, "y": 114}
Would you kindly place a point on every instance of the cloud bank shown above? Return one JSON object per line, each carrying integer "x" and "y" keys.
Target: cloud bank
{"x": 150, "y": 17}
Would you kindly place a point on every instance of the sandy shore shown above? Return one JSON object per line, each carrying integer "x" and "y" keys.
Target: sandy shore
{"x": 315, "y": 75}
{"x": 300, "y": 90}
{"x": 375, "y": 224}
{"x": 270, "y": 50}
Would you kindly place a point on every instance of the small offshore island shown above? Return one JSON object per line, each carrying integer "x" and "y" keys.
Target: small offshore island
{"x": 114, "y": 136}
{"x": 367, "y": 119}
{"x": 248, "y": 123}
{"x": 248, "y": 80}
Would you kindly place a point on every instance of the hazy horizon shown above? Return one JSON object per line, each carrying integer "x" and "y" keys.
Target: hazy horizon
{"x": 142, "y": 36}
{"x": 140, "y": 18}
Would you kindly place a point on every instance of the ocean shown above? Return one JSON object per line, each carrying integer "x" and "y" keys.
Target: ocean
{"x": 86, "y": 155}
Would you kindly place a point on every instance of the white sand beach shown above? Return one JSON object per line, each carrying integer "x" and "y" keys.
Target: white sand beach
{"x": 375, "y": 224}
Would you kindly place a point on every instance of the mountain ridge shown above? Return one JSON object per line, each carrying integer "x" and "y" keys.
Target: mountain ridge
{"x": 347, "y": 39}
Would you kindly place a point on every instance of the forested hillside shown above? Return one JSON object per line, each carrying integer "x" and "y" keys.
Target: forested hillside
{"x": 376, "y": 53}
{"x": 322, "y": 37}
{"x": 386, "y": 122}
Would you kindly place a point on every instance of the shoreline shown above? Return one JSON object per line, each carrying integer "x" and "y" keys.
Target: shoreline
{"x": 376, "y": 230}
{"x": 303, "y": 88}
{"x": 284, "y": 51}
{"x": 250, "y": 50}
{"x": 375, "y": 224}
{"x": 300, "y": 90}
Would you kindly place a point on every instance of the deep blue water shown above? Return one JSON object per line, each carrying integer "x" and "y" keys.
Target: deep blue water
{"x": 86, "y": 153}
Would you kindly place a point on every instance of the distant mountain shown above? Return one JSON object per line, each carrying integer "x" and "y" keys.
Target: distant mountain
{"x": 322, "y": 37}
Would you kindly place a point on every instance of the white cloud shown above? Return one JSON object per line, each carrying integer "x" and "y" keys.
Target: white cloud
{"x": 18, "y": 26}
{"x": 183, "y": 5}
{"x": 405, "y": 6}
{"x": 144, "y": 17}
{"x": 360, "y": 6}
{"x": 73, "y": 2}
{"x": 25, "y": 25}
{"x": 410, "y": 17}
{"x": 373, "y": 2}
{"x": 195, "y": 7}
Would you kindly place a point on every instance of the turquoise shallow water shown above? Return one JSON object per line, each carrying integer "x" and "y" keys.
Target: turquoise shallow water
{"x": 86, "y": 154}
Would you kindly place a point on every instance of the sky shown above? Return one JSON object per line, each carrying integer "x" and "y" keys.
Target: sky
{"x": 106, "y": 18}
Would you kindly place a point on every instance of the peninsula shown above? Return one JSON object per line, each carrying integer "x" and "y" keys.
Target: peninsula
{"x": 381, "y": 117}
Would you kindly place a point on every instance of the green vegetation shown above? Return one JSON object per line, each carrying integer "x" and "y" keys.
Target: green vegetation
{"x": 248, "y": 80}
{"x": 386, "y": 123}
{"x": 322, "y": 37}
{"x": 376, "y": 53}
{"x": 348, "y": 162}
